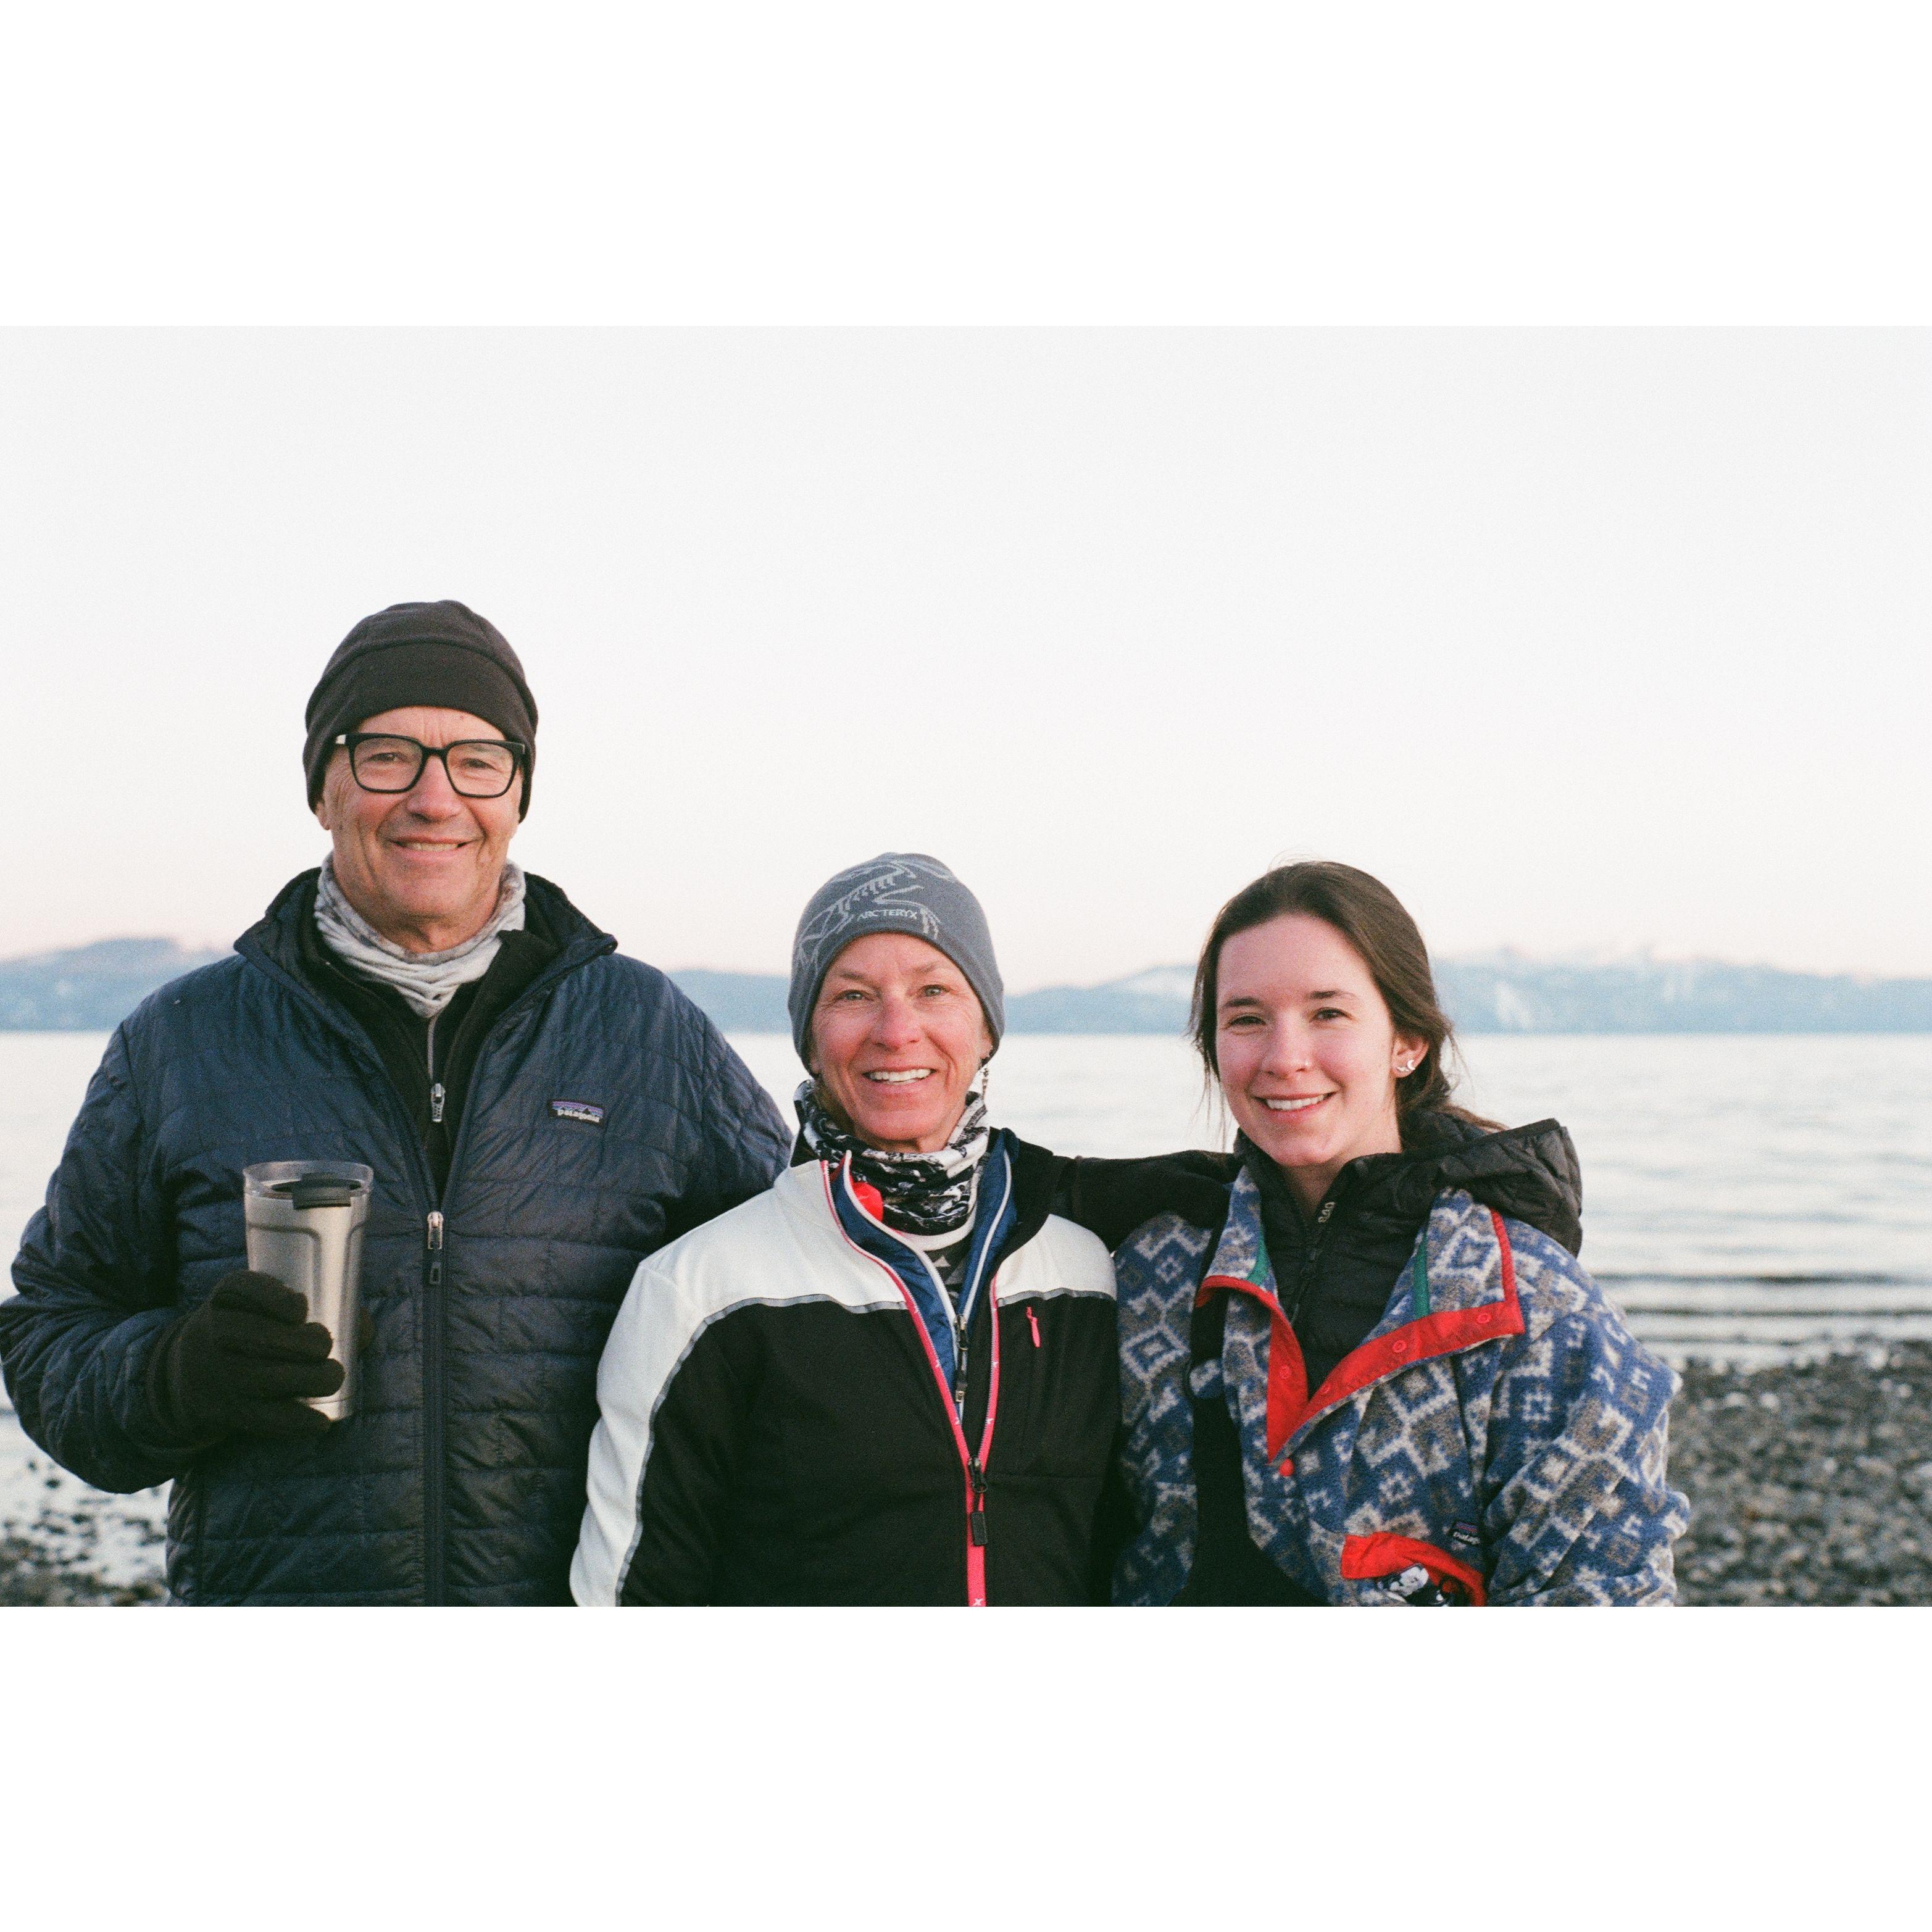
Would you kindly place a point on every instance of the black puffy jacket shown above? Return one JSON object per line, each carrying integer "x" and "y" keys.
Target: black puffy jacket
{"x": 461, "y": 1477}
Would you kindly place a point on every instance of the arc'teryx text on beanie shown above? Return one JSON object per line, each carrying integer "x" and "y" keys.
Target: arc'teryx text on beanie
{"x": 897, "y": 892}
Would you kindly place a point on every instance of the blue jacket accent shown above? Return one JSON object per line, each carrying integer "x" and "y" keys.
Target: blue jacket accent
{"x": 461, "y": 1477}
{"x": 995, "y": 1212}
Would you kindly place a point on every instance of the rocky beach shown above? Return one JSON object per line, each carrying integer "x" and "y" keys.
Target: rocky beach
{"x": 64, "y": 1542}
{"x": 1810, "y": 1482}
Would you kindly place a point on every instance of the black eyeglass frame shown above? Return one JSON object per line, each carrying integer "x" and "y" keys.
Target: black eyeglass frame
{"x": 520, "y": 754}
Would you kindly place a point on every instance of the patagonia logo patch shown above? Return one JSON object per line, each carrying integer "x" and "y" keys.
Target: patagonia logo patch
{"x": 588, "y": 1112}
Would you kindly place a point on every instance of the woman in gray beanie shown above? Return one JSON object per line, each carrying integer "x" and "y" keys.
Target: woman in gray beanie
{"x": 892, "y": 1378}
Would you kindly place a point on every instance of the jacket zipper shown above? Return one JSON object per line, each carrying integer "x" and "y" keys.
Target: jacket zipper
{"x": 435, "y": 1085}
{"x": 435, "y": 1311}
{"x": 1305, "y": 1278}
{"x": 976, "y": 1473}
{"x": 358, "y": 1042}
{"x": 434, "y": 1303}
{"x": 959, "y": 1346}
{"x": 972, "y": 1463}
{"x": 433, "y": 1471}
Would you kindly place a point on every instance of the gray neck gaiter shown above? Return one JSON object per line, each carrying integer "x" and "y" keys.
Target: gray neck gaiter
{"x": 427, "y": 981}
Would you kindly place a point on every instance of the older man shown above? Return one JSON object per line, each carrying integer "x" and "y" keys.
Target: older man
{"x": 540, "y": 1113}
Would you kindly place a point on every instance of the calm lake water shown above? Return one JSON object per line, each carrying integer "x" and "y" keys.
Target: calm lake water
{"x": 1743, "y": 1196}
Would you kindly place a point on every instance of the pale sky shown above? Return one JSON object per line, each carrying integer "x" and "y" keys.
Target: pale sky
{"x": 1580, "y": 639}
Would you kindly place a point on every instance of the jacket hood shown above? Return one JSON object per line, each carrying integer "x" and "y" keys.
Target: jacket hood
{"x": 1530, "y": 1173}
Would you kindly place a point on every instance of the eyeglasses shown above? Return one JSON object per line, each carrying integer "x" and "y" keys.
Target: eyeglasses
{"x": 476, "y": 767}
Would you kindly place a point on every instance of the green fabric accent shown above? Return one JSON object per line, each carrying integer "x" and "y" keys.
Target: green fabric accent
{"x": 1418, "y": 1299}
{"x": 1262, "y": 1274}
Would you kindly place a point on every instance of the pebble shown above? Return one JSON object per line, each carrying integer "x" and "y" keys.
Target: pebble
{"x": 1809, "y": 1482}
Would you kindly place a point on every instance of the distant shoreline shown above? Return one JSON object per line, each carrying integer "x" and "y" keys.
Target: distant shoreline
{"x": 92, "y": 988}
{"x": 1463, "y": 1031}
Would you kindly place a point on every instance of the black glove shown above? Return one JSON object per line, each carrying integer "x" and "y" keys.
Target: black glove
{"x": 241, "y": 1363}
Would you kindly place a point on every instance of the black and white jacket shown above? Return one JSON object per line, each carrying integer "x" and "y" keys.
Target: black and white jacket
{"x": 793, "y": 1413}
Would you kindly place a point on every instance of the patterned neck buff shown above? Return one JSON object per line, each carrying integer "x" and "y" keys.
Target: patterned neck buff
{"x": 427, "y": 981}
{"x": 923, "y": 1193}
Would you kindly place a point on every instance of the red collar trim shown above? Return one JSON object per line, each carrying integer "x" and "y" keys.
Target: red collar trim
{"x": 1290, "y": 1407}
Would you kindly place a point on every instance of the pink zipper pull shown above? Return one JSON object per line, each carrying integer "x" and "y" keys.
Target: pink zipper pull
{"x": 1033, "y": 1324}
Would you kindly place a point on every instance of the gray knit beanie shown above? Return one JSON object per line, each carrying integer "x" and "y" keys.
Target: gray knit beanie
{"x": 897, "y": 892}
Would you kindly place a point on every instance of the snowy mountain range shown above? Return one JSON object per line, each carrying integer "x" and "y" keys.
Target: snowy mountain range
{"x": 91, "y": 987}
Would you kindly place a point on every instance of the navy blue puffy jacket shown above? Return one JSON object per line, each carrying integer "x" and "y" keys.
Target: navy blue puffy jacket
{"x": 461, "y": 1479}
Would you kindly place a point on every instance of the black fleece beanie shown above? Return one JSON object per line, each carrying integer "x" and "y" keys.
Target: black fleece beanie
{"x": 442, "y": 654}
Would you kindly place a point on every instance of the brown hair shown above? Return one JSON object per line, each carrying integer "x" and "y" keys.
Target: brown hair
{"x": 1376, "y": 924}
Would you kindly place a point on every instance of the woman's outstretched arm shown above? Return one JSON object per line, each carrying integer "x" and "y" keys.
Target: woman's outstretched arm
{"x": 1113, "y": 1198}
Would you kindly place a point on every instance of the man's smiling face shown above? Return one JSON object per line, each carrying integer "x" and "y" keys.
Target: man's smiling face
{"x": 423, "y": 867}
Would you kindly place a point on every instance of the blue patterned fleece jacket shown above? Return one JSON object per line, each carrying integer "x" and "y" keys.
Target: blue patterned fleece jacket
{"x": 1499, "y": 1437}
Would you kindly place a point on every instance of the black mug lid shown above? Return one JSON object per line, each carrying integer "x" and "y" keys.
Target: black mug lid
{"x": 317, "y": 1190}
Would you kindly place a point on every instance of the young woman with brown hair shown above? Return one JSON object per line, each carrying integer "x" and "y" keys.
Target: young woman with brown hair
{"x": 1381, "y": 1376}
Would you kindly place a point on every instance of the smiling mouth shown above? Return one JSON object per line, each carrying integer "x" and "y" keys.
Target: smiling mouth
{"x": 899, "y": 1076}
{"x": 1295, "y": 1106}
{"x": 428, "y": 844}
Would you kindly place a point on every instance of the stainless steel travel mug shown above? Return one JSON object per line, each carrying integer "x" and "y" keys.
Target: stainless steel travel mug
{"x": 304, "y": 1222}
